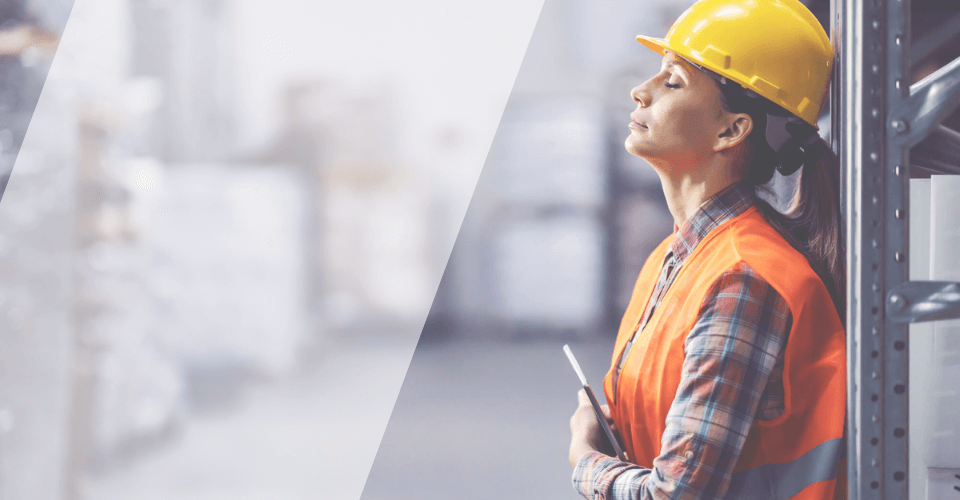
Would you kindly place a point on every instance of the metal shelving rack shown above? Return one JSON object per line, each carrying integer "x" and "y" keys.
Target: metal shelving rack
{"x": 877, "y": 117}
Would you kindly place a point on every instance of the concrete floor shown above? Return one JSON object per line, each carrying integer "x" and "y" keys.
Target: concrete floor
{"x": 472, "y": 421}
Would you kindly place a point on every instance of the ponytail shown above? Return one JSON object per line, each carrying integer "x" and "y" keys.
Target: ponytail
{"x": 812, "y": 224}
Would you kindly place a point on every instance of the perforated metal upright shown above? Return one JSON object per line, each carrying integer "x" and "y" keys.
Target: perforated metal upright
{"x": 877, "y": 116}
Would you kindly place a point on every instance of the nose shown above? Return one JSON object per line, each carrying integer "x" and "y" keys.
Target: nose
{"x": 640, "y": 95}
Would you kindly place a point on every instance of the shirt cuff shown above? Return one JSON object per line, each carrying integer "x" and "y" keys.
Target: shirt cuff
{"x": 595, "y": 473}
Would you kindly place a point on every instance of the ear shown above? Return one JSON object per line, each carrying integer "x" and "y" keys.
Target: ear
{"x": 738, "y": 128}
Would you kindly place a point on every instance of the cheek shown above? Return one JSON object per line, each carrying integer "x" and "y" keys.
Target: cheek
{"x": 694, "y": 124}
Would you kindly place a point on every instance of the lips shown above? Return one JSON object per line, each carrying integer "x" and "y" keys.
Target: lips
{"x": 636, "y": 124}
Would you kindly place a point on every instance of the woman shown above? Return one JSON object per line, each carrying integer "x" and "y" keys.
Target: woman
{"x": 728, "y": 374}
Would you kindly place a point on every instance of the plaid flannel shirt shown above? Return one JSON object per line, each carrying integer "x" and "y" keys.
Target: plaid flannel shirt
{"x": 732, "y": 375}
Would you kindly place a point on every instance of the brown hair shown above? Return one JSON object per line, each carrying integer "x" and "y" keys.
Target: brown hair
{"x": 812, "y": 225}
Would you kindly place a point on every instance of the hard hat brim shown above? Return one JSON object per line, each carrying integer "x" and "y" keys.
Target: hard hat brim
{"x": 658, "y": 45}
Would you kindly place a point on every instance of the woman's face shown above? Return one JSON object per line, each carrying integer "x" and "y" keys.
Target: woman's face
{"x": 679, "y": 117}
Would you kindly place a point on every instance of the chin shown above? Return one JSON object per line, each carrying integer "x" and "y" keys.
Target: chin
{"x": 633, "y": 145}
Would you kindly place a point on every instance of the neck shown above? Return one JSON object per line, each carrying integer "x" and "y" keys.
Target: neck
{"x": 688, "y": 188}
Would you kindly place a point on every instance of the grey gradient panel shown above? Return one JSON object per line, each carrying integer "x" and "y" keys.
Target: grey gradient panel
{"x": 223, "y": 234}
{"x": 31, "y": 430}
{"x": 30, "y": 32}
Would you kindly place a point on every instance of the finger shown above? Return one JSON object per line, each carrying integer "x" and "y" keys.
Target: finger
{"x": 582, "y": 397}
{"x": 606, "y": 411}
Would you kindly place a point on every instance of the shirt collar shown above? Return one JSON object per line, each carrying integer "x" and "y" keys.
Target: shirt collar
{"x": 721, "y": 207}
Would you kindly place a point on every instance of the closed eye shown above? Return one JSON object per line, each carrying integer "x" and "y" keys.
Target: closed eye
{"x": 671, "y": 85}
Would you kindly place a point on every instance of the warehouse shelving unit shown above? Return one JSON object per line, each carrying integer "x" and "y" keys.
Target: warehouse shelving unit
{"x": 878, "y": 116}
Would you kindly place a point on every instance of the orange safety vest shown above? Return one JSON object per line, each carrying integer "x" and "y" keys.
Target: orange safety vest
{"x": 798, "y": 455}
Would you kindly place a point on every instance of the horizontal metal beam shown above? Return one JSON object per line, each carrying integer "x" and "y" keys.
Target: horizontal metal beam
{"x": 939, "y": 153}
{"x": 936, "y": 38}
{"x": 919, "y": 301}
{"x": 931, "y": 100}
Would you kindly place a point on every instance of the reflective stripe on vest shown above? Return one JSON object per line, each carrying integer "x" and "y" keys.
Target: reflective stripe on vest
{"x": 783, "y": 481}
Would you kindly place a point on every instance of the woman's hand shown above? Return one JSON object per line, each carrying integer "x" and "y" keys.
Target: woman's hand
{"x": 587, "y": 434}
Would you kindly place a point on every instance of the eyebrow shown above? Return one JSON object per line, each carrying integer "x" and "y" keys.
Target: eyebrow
{"x": 671, "y": 63}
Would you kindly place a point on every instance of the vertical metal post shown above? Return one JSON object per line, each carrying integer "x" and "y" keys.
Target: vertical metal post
{"x": 871, "y": 80}
{"x": 896, "y": 166}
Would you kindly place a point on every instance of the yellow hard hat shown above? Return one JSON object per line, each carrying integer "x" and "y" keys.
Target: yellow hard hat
{"x": 775, "y": 48}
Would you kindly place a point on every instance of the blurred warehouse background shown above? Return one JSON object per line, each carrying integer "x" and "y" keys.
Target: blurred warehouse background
{"x": 211, "y": 215}
{"x": 228, "y": 220}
